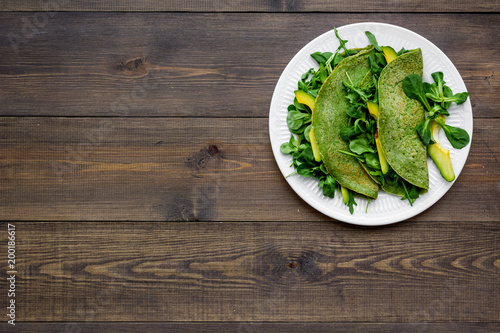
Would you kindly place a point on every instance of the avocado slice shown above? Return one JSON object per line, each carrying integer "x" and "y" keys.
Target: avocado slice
{"x": 314, "y": 146}
{"x": 304, "y": 98}
{"x": 307, "y": 99}
{"x": 383, "y": 162}
{"x": 439, "y": 154}
{"x": 389, "y": 53}
{"x": 373, "y": 109}
{"x": 345, "y": 194}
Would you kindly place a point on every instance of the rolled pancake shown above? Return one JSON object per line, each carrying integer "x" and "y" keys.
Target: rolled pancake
{"x": 329, "y": 117}
{"x": 398, "y": 117}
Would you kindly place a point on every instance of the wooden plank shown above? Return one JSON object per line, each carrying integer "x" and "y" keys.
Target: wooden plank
{"x": 260, "y": 327}
{"x": 152, "y": 64}
{"x": 186, "y": 169}
{"x": 257, "y": 272}
{"x": 252, "y": 6}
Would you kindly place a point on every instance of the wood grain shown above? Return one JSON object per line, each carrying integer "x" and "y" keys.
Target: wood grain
{"x": 258, "y": 272}
{"x": 152, "y": 64}
{"x": 185, "y": 169}
{"x": 253, "y": 6}
{"x": 208, "y": 327}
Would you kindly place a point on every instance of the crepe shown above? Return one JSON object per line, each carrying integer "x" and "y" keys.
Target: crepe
{"x": 398, "y": 117}
{"x": 329, "y": 117}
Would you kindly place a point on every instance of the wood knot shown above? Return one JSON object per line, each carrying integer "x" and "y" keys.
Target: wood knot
{"x": 292, "y": 264}
{"x": 202, "y": 157}
{"x": 213, "y": 150}
{"x": 308, "y": 267}
{"x": 134, "y": 67}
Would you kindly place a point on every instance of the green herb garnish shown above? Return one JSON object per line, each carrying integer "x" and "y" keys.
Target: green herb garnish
{"x": 436, "y": 98}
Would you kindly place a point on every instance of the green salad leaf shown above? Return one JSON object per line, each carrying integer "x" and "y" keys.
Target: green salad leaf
{"x": 436, "y": 98}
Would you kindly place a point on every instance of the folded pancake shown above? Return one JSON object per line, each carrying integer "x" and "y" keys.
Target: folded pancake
{"x": 397, "y": 119}
{"x": 329, "y": 117}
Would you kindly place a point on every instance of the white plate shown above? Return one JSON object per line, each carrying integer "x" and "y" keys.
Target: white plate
{"x": 387, "y": 208}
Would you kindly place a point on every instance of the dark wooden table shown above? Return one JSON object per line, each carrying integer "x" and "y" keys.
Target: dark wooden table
{"x": 136, "y": 169}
